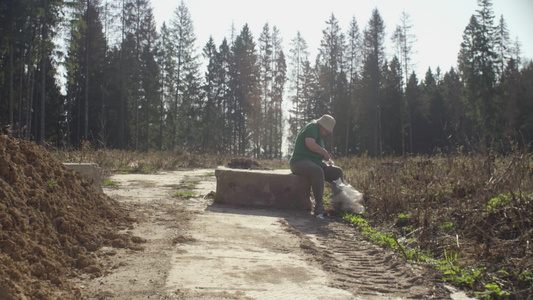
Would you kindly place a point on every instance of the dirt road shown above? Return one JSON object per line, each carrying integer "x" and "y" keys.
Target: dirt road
{"x": 195, "y": 249}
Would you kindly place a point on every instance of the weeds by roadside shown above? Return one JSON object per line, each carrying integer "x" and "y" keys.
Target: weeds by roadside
{"x": 184, "y": 194}
{"x": 469, "y": 216}
{"x": 185, "y": 189}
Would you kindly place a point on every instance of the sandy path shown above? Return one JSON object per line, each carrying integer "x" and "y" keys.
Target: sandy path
{"x": 199, "y": 250}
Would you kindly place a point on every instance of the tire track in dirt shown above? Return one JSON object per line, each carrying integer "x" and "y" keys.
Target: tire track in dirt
{"x": 362, "y": 268}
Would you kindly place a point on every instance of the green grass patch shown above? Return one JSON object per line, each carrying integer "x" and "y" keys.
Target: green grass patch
{"x": 184, "y": 194}
{"x": 107, "y": 182}
{"x": 187, "y": 183}
{"x": 456, "y": 274}
{"x": 383, "y": 239}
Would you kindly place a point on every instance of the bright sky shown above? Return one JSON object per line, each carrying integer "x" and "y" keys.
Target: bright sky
{"x": 438, "y": 25}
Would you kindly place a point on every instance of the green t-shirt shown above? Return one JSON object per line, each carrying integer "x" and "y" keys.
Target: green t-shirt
{"x": 300, "y": 148}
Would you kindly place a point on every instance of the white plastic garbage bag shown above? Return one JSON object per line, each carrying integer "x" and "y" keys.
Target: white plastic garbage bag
{"x": 346, "y": 198}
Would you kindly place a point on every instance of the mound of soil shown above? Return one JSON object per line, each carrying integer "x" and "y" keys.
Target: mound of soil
{"x": 51, "y": 223}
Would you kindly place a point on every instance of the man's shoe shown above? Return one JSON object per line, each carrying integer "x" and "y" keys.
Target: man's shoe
{"x": 320, "y": 216}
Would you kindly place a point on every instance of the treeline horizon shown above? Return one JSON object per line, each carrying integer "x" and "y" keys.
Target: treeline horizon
{"x": 132, "y": 86}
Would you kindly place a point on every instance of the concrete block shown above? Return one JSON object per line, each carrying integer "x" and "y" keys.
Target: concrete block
{"x": 277, "y": 188}
{"x": 90, "y": 172}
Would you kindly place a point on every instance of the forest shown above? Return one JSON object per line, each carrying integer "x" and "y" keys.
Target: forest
{"x": 129, "y": 85}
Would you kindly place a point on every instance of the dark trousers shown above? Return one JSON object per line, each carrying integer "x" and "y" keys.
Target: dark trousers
{"x": 317, "y": 174}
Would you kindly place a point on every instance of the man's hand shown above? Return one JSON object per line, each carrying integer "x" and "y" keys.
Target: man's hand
{"x": 327, "y": 157}
{"x": 313, "y": 146}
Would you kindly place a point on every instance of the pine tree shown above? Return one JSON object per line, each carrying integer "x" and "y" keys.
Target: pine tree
{"x": 186, "y": 77}
{"x": 224, "y": 66}
{"x": 28, "y": 30}
{"x": 331, "y": 68}
{"x": 489, "y": 111}
{"x": 330, "y": 62}
{"x": 236, "y": 122}
{"x": 437, "y": 117}
{"x": 266, "y": 57}
{"x": 167, "y": 118}
{"x": 420, "y": 135}
{"x": 85, "y": 64}
{"x": 369, "y": 114}
{"x": 311, "y": 92}
{"x": 18, "y": 57}
{"x": 511, "y": 94}
{"x": 190, "y": 112}
{"x": 353, "y": 62}
{"x": 477, "y": 61}
{"x": 298, "y": 60}
{"x": 392, "y": 107}
{"x": 247, "y": 93}
{"x": 278, "y": 93}
{"x": 150, "y": 81}
{"x": 45, "y": 20}
{"x": 467, "y": 66}
{"x": 413, "y": 101}
{"x": 16, "y": 18}
{"x": 502, "y": 47}
{"x": 141, "y": 33}
{"x": 122, "y": 105}
{"x": 516, "y": 92}
{"x": 525, "y": 105}
{"x": 404, "y": 41}
{"x": 211, "y": 131}
{"x": 353, "y": 52}
{"x": 452, "y": 89}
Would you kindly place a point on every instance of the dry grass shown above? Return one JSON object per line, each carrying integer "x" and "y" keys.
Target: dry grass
{"x": 151, "y": 161}
{"x": 138, "y": 162}
{"x": 478, "y": 207}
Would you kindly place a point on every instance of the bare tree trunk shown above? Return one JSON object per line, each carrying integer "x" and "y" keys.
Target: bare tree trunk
{"x": 21, "y": 97}
{"x": 347, "y": 134}
{"x": 162, "y": 108}
{"x": 69, "y": 119}
{"x": 137, "y": 59}
{"x": 43, "y": 74}
{"x": 87, "y": 64}
{"x": 122, "y": 104}
{"x": 29, "y": 106}
{"x": 11, "y": 71}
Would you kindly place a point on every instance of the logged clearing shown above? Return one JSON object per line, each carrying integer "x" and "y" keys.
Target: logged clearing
{"x": 161, "y": 237}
